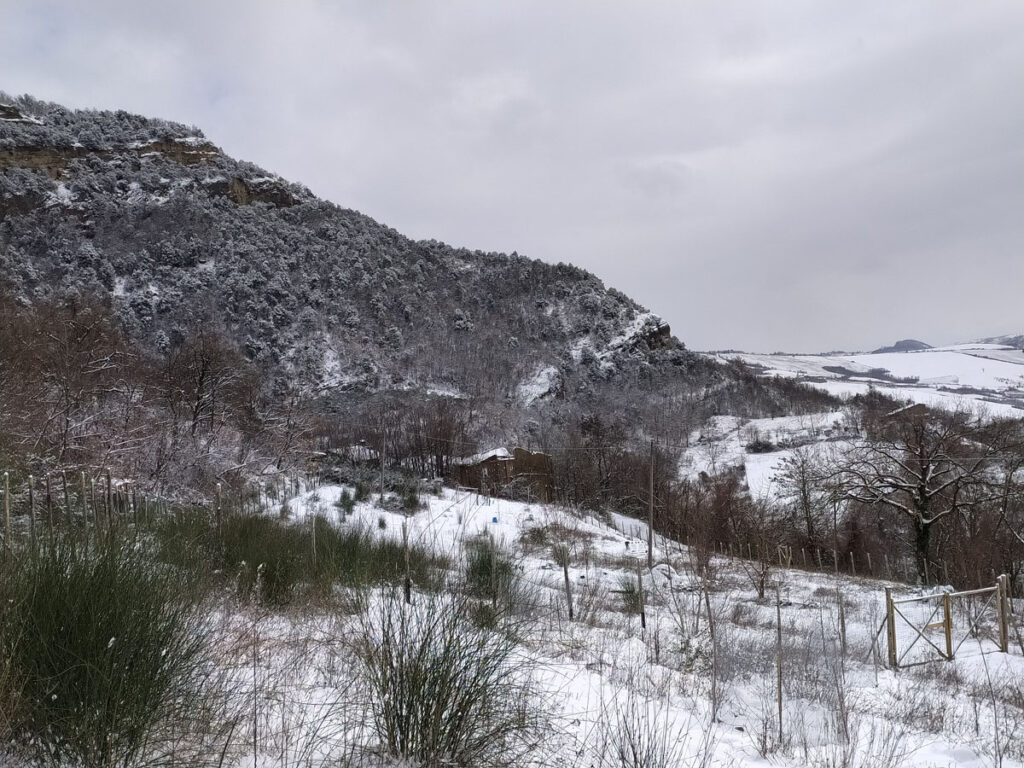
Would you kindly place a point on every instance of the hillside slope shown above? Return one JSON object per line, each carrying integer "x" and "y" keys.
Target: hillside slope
{"x": 188, "y": 318}
{"x": 153, "y": 218}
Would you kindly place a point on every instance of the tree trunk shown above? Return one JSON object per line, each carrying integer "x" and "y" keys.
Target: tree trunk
{"x": 922, "y": 541}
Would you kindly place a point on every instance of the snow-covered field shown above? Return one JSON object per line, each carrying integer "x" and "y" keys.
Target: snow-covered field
{"x": 840, "y": 706}
{"x": 722, "y": 444}
{"x": 979, "y": 375}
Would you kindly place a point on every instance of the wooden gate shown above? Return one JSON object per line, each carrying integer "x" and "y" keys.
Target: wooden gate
{"x": 938, "y": 625}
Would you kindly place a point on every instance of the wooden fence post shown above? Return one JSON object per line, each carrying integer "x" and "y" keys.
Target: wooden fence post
{"x": 568, "y": 585}
{"x": 32, "y": 514}
{"x": 1003, "y": 592}
{"x": 49, "y": 513}
{"x": 85, "y": 514}
{"x": 108, "y": 505}
{"x": 407, "y": 583}
{"x": 890, "y": 633}
{"x": 947, "y": 610}
{"x": 219, "y": 518}
{"x": 650, "y": 519}
{"x": 383, "y": 446}
{"x": 92, "y": 505}
{"x": 842, "y": 622}
{"x": 494, "y": 565}
{"x": 778, "y": 657}
{"x": 7, "y": 515}
{"x": 67, "y": 496}
{"x": 640, "y": 588}
{"x": 312, "y": 536}
{"x": 714, "y": 653}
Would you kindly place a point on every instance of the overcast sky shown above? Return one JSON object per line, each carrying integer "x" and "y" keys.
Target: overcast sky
{"x": 798, "y": 176}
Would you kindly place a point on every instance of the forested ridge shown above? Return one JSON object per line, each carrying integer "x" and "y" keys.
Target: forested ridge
{"x": 184, "y": 316}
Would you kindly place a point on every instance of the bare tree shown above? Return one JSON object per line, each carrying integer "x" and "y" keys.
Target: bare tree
{"x": 923, "y": 465}
{"x": 760, "y": 539}
{"x": 799, "y": 483}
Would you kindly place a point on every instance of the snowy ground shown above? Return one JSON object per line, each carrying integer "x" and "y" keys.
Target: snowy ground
{"x": 722, "y": 444}
{"x": 839, "y": 707}
{"x": 980, "y": 376}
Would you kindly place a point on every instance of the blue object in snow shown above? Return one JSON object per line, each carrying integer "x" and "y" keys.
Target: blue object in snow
{"x": 495, "y": 520}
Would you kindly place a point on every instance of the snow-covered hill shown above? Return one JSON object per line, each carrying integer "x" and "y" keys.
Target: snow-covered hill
{"x": 152, "y": 219}
{"x": 605, "y": 681}
{"x": 978, "y": 375}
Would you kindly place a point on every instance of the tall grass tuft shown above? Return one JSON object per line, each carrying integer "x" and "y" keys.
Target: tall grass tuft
{"x": 490, "y": 573}
{"x": 266, "y": 554}
{"x": 355, "y": 556}
{"x": 444, "y": 691}
{"x": 632, "y": 599}
{"x": 292, "y": 561}
{"x": 639, "y": 733}
{"x": 105, "y": 657}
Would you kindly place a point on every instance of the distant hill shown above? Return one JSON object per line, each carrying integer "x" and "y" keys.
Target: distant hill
{"x": 903, "y": 345}
{"x": 1017, "y": 342}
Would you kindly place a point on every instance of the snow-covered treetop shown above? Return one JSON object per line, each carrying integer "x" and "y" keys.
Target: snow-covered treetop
{"x": 29, "y": 122}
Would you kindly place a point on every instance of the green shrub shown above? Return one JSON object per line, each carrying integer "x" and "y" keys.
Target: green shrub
{"x": 490, "y": 572}
{"x": 492, "y": 577}
{"x": 760, "y": 445}
{"x": 276, "y": 562}
{"x": 444, "y": 691}
{"x": 267, "y": 557}
{"x": 632, "y": 600}
{"x": 193, "y": 543}
{"x": 188, "y": 540}
{"x": 410, "y": 496}
{"x": 535, "y": 537}
{"x": 104, "y": 656}
{"x": 346, "y": 504}
{"x": 354, "y": 557}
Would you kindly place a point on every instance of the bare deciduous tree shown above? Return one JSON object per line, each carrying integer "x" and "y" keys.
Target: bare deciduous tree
{"x": 923, "y": 465}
